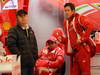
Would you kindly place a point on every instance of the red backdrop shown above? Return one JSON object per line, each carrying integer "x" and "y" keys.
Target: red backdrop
{"x": 8, "y": 18}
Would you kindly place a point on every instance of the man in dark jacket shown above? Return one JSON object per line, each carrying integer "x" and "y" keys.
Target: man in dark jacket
{"x": 21, "y": 41}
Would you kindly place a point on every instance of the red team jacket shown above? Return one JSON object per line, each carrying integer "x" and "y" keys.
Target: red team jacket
{"x": 49, "y": 61}
{"x": 83, "y": 28}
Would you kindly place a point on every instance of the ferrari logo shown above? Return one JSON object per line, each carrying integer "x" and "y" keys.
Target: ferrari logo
{"x": 6, "y": 26}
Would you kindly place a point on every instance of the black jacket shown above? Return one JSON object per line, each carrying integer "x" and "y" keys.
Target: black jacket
{"x": 19, "y": 43}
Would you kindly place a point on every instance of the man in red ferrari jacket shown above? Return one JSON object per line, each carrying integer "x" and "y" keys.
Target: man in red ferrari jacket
{"x": 58, "y": 33}
{"x": 77, "y": 28}
{"x": 51, "y": 59}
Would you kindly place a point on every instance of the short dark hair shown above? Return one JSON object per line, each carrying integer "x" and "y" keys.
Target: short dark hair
{"x": 49, "y": 42}
{"x": 71, "y": 5}
{"x": 21, "y": 12}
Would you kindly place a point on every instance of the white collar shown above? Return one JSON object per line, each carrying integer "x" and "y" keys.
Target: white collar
{"x": 27, "y": 27}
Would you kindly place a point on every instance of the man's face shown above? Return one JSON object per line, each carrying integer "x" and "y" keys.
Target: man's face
{"x": 52, "y": 46}
{"x": 59, "y": 39}
{"x": 22, "y": 20}
{"x": 68, "y": 12}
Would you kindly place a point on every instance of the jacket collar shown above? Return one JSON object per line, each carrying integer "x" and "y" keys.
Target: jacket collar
{"x": 23, "y": 28}
{"x": 71, "y": 17}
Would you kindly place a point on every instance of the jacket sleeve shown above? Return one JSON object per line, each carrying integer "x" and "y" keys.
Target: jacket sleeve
{"x": 57, "y": 63}
{"x": 59, "y": 60}
{"x": 87, "y": 25}
{"x": 12, "y": 41}
{"x": 35, "y": 52}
